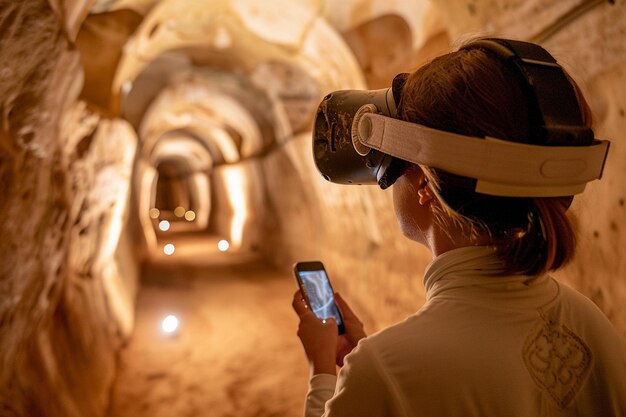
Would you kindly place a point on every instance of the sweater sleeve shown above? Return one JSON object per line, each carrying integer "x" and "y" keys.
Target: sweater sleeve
{"x": 321, "y": 389}
{"x": 362, "y": 389}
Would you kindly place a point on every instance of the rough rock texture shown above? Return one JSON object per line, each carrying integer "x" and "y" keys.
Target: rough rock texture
{"x": 389, "y": 37}
{"x": 64, "y": 173}
{"x": 599, "y": 270}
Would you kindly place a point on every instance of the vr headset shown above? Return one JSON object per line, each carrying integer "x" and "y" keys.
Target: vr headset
{"x": 357, "y": 138}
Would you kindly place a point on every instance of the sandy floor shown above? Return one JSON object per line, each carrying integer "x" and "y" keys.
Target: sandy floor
{"x": 236, "y": 352}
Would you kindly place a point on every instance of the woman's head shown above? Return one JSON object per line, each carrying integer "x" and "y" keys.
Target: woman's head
{"x": 473, "y": 92}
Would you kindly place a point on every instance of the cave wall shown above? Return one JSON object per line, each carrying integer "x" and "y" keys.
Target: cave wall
{"x": 67, "y": 273}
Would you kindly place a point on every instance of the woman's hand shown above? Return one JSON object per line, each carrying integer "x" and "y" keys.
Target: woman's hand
{"x": 322, "y": 345}
{"x": 318, "y": 337}
{"x": 353, "y": 330}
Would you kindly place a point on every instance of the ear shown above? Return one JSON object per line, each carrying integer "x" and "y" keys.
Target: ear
{"x": 425, "y": 195}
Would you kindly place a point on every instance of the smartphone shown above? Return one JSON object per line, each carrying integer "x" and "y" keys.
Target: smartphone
{"x": 317, "y": 291}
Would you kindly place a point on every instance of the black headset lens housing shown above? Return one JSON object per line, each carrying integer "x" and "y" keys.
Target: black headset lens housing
{"x": 333, "y": 149}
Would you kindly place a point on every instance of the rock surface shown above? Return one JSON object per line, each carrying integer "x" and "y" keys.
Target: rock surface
{"x": 66, "y": 294}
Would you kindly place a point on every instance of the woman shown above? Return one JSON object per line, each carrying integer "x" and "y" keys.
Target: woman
{"x": 497, "y": 335}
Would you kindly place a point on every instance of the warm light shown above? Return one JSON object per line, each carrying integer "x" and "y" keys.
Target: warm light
{"x": 164, "y": 225}
{"x": 236, "y": 190}
{"x": 190, "y": 216}
{"x": 154, "y": 213}
{"x": 169, "y": 324}
{"x": 126, "y": 87}
{"x": 222, "y": 38}
{"x": 179, "y": 211}
{"x": 223, "y": 245}
{"x": 169, "y": 249}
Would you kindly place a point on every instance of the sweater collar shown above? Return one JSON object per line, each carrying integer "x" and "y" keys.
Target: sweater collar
{"x": 476, "y": 272}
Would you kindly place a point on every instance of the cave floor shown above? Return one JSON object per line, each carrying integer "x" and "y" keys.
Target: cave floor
{"x": 235, "y": 354}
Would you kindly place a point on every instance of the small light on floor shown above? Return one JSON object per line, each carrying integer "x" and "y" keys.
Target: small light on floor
{"x": 154, "y": 213}
{"x": 169, "y": 324}
{"x": 169, "y": 249}
{"x": 164, "y": 225}
{"x": 179, "y": 211}
{"x": 223, "y": 245}
{"x": 190, "y": 216}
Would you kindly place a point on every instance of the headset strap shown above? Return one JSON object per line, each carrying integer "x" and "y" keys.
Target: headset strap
{"x": 501, "y": 167}
{"x": 555, "y": 116}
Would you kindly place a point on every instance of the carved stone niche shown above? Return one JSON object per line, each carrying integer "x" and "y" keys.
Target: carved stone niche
{"x": 100, "y": 42}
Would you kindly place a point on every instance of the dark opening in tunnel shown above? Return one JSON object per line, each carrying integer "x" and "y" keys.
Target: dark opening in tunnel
{"x": 172, "y": 187}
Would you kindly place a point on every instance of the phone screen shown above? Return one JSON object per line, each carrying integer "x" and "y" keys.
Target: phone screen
{"x": 320, "y": 295}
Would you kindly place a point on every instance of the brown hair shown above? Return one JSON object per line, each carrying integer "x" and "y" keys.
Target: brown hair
{"x": 472, "y": 92}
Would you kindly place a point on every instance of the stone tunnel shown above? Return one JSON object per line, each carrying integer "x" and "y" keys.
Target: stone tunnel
{"x": 155, "y": 159}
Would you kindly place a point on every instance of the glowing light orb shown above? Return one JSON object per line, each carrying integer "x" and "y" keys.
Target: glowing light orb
{"x": 169, "y": 249}
{"x": 190, "y": 216}
{"x": 222, "y": 39}
{"x": 164, "y": 225}
{"x": 179, "y": 211}
{"x": 169, "y": 324}
{"x": 126, "y": 87}
{"x": 223, "y": 245}
{"x": 154, "y": 213}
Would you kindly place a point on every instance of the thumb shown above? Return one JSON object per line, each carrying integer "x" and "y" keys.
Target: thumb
{"x": 329, "y": 321}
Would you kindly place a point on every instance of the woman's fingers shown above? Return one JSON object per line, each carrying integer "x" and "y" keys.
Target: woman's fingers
{"x": 298, "y": 303}
{"x": 346, "y": 311}
{"x": 353, "y": 327}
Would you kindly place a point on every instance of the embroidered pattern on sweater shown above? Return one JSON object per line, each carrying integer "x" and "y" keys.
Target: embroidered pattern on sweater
{"x": 558, "y": 360}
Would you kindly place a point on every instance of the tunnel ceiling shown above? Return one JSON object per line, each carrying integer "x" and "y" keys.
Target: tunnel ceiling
{"x": 238, "y": 77}
{"x": 210, "y": 84}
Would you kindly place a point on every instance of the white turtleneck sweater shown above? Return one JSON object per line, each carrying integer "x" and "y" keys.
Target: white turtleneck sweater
{"x": 483, "y": 345}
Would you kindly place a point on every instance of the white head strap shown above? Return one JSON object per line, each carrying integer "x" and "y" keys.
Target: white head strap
{"x": 502, "y": 168}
